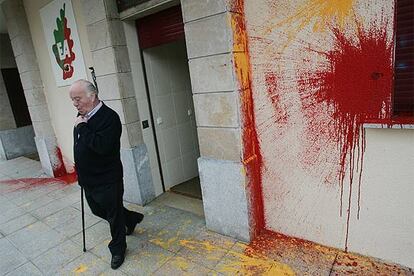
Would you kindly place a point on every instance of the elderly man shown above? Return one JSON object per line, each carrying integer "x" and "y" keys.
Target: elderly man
{"x": 97, "y": 135}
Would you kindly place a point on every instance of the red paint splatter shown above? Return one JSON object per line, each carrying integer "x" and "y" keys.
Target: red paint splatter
{"x": 68, "y": 178}
{"x": 272, "y": 92}
{"x": 302, "y": 254}
{"x": 357, "y": 88}
{"x": 59, "y": 167}
{"x": 30, "y": 183}
{"x": 252, "y": 158}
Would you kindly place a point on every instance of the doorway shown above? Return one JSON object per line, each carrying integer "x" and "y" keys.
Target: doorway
{"x": 170, "y": 99}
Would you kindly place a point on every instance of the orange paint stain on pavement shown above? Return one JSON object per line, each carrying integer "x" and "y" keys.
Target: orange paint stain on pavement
{"x": 239, "y": 263}
{"x": 81, "y": 269}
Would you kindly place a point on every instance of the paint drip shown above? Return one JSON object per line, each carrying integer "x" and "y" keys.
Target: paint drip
{"x": 252, "y": 158}
{"x": 59, "y": 169}
{"x": 355, "y": 87}
{"x": 281, "y": 116}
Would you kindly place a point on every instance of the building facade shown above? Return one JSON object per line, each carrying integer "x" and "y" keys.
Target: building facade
{"x": 285, "y": 110}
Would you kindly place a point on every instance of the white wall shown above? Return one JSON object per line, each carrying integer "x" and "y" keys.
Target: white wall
{"x": 62, "y": 112}
{"x": 290, "y": 42}
{"x": 386, "y": 225}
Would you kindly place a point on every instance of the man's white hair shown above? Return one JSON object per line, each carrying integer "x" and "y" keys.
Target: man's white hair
{"x": 88, "y": 86}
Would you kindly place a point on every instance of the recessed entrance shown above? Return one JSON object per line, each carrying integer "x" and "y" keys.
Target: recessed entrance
{"x": 164, "y": 55}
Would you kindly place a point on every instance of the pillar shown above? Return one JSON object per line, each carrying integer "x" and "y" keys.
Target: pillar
{"x": 113, "y": 70}
{"x": 23, "y": 50}
{"x": 211, "y": 50}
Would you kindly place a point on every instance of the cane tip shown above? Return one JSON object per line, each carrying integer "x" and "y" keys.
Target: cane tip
{"x": 84, "y": 250}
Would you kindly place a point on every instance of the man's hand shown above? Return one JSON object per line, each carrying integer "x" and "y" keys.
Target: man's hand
{"x": 80, "y": 119}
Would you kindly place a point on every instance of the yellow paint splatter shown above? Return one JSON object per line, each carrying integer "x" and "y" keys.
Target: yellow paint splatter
{"x": 239, "y": 263}
{"x": 80, "y": 269}
{"x": 180, "y": 263}
{"x": 319, "y": 12}
{"x": 166, "y": 244}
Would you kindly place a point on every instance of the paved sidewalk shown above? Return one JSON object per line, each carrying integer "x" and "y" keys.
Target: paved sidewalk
{"x": 40, "y": 234}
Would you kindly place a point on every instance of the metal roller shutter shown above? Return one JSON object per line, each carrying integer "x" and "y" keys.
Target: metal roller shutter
{"x": 160, "y": 28}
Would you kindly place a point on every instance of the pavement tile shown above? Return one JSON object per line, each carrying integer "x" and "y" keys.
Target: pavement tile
{"x": 11, "y": 258}
{"x": 64, "y": 191}
{"x": 183, "y": 228}
{"x": 6, "y": 203}
{"x": 182, "y": 202}
{"x": 26, "y": 172}
{"x": 47, "y": 185}
{"x": 74, "y": 226}
{"x": 4, "y": 177}
{"x": 31, "y": 188}
{"x": 37, "y": 203}
{"x": 94, "y": 235}
{"x": 178, "y": 266}
{"x": 8, "y": 186}
{"x": 161, "y": 216}
{"x": 19, "y": 163}
{"x": 239, "y": 262}
{"x": 68, "y": 221}
{"x": 35, "y": 239}
{"x": 155, "y": 220}
{"x": 10, "y": 213}
{"x": 55, "y": 206}
{"x": 303, "y": 257}
{"x": 85, "y": 264}
{"x": 348, "y": 263}
{"x": 23, "y": 196}
{"x": 26, "y": 269}
{"x": 145, "y": 259}
{"x": 52, "y": 261}
{"x": 102, "y": 251}
{"x": 17, "y": 224}
{"x": 206, "y": 249}
{"x": 111, "y": 272}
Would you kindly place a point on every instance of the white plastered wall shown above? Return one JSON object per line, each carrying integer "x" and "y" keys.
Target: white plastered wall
{"x": 386, "y": 225}
{"x": 62, "y": 112}
{"x": 304, "y": 202}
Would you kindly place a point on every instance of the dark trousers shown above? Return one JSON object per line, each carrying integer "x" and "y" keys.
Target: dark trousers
{"x": 106, "y": 202}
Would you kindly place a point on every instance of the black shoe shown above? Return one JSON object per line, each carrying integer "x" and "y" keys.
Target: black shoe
{"x": 137, "y": 218}
{"x": 117, "y": 261}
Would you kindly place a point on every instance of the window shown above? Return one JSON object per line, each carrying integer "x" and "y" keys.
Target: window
{"x": 404, "y": 59}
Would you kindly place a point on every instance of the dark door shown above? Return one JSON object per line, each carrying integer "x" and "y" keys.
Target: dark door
{"x": 17, "y": 99}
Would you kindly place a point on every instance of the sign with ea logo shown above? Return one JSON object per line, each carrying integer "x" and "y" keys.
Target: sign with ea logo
{"x": 63, "y": 42}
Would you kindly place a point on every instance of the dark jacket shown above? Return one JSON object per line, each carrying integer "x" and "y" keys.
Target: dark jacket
{"x": 97, "y": 149}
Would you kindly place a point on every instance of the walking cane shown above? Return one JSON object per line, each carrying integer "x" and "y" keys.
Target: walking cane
{"x": 83, "y": 221}
{"x": 82, "y": 203}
